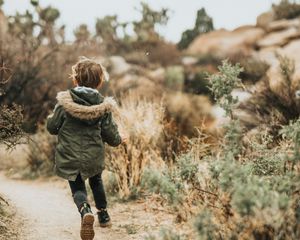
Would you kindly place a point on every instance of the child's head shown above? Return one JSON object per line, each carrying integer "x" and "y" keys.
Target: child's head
{"x": 88, "y": 73}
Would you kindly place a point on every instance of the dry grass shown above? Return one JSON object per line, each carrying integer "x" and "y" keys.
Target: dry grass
{"x": 8, "y": 227}
{"x": 189, "y": 112}
{"x": 41, "y": 154}
{"x": 142, "y": 121}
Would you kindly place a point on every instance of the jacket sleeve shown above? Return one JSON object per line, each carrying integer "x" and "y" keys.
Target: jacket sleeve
{"x": 55, "y": 120}
{"x": 109, "y": 131}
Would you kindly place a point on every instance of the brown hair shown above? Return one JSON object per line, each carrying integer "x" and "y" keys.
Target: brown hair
{"x": 88, "y": 73}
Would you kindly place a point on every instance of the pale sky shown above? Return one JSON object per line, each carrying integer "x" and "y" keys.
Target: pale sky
{"x": 227, "y": 14}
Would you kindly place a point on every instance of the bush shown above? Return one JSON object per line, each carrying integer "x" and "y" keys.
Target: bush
{"x": 237, "y": 191}
{"x": 167, "y": 234}
{"x": 254, "y": 70}
{"x": 197, "y": 83}
{"x": 8, "y": 227}
{"x": 41, "y": 154}
{"x": 11, "y": 120}
{"x": 255, "y": 198}
{"x": 188, "y": 112}
{"x": 158, "y": 182}
{"x": 272, "y": 107}
{"x": 143, "y": 122}
{"x": 11, "y": 133}
{"x": 224, "y": 83}
{"x": 174, "y": 78}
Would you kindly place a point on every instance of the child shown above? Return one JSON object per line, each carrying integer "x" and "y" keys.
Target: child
{"x": 83, "y": 121}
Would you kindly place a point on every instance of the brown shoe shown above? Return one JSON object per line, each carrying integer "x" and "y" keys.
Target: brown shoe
{"x": 87, "y": 224}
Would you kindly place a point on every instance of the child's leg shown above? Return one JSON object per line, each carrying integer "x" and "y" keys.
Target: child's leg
{"x": 80, "y": 198}
{"x": 78, "y": 191}
{"x": 97, "y": 187}
{"x": 100, "y": 200}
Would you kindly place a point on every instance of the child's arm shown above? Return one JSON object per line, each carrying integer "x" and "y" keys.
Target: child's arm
{"x": 109, "y": 131}
{"x": 55, "y": 120}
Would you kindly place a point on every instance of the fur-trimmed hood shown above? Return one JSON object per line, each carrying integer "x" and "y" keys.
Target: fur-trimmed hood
{"x": 84, "y": 112}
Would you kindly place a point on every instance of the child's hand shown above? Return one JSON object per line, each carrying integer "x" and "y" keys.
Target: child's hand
{"x": 124, "y": 138}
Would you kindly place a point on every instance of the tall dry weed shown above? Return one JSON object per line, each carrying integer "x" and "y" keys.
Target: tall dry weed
{"x": 142, "y": 121}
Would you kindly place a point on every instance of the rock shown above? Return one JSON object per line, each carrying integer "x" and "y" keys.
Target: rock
{"x": 118, "y": 65}
{"x": 283, "y": 24}
{"x": 140, "y": 86}
{"x": 278, "y": 38}
{"x": 223, "y": 43}
{"x": 267, "y": 55}
{"x": 292, "y": 51}
{"x": 241, "y": 95}
{"x": 158, "y": 75}
{"x": 187, "y": 61}
{"x": 265, "y": 19}
{"x": 277, "y": 83}
{"x": 220, "y": 116}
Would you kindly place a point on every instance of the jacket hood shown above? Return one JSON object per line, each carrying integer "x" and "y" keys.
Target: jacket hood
{"x": 85, "y": 103}
{"x": 86, "y": 96}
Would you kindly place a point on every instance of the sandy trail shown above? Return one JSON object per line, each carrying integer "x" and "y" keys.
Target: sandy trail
{"x": 50, "y": 214}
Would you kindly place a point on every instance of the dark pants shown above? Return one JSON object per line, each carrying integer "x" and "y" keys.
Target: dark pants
{"x": 80, "y": 195}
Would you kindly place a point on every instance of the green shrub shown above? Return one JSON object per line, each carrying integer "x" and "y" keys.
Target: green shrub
{"x": 292, "y": 132}
{"x": 187, "y": 167}
{"x": 256, "y": 197}
{"x": 166, "y": 234}
{"x": 175, "y": 78}
{"x": 158, "y": 182}
{"x": 206, "y": 228}
{"x": 223, "y": 83}
{"x": 267, "y": 160}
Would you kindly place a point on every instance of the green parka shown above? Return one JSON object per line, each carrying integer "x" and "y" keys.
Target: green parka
{"x": 83, "y": 121}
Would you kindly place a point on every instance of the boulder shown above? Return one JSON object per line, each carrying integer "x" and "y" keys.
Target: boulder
{"x": 139, "y": 86}
{"x": 265, "y": 19}
{"x": 279, "y": 38}
{"x": 187, "y": 61}
{"x": 223, "y": 43}
{"x": 292, "y": 51}
{"x": 283, "y": 24}
{"x": 277, "y": 83}
{"x": 267, "y": 55}
{"x": 158, "y": 75}
{"x": 118, "y": 65}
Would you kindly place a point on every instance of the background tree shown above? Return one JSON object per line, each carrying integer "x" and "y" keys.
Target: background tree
{"x": 203, "y": 24}
{"x": 145, "y": 28}
{"x": 11, "y": 118}
{"x": 32, "y": 56}
{"x": 82, "y": 34}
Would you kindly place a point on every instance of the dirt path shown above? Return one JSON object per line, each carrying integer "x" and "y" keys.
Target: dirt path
{"x": 49, "y": 213}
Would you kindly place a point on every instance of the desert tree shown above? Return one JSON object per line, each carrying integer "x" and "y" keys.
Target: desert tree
{"x": 203, "y": 24}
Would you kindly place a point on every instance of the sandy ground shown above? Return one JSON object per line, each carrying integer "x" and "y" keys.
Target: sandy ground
{"x": 48, "y": 212}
